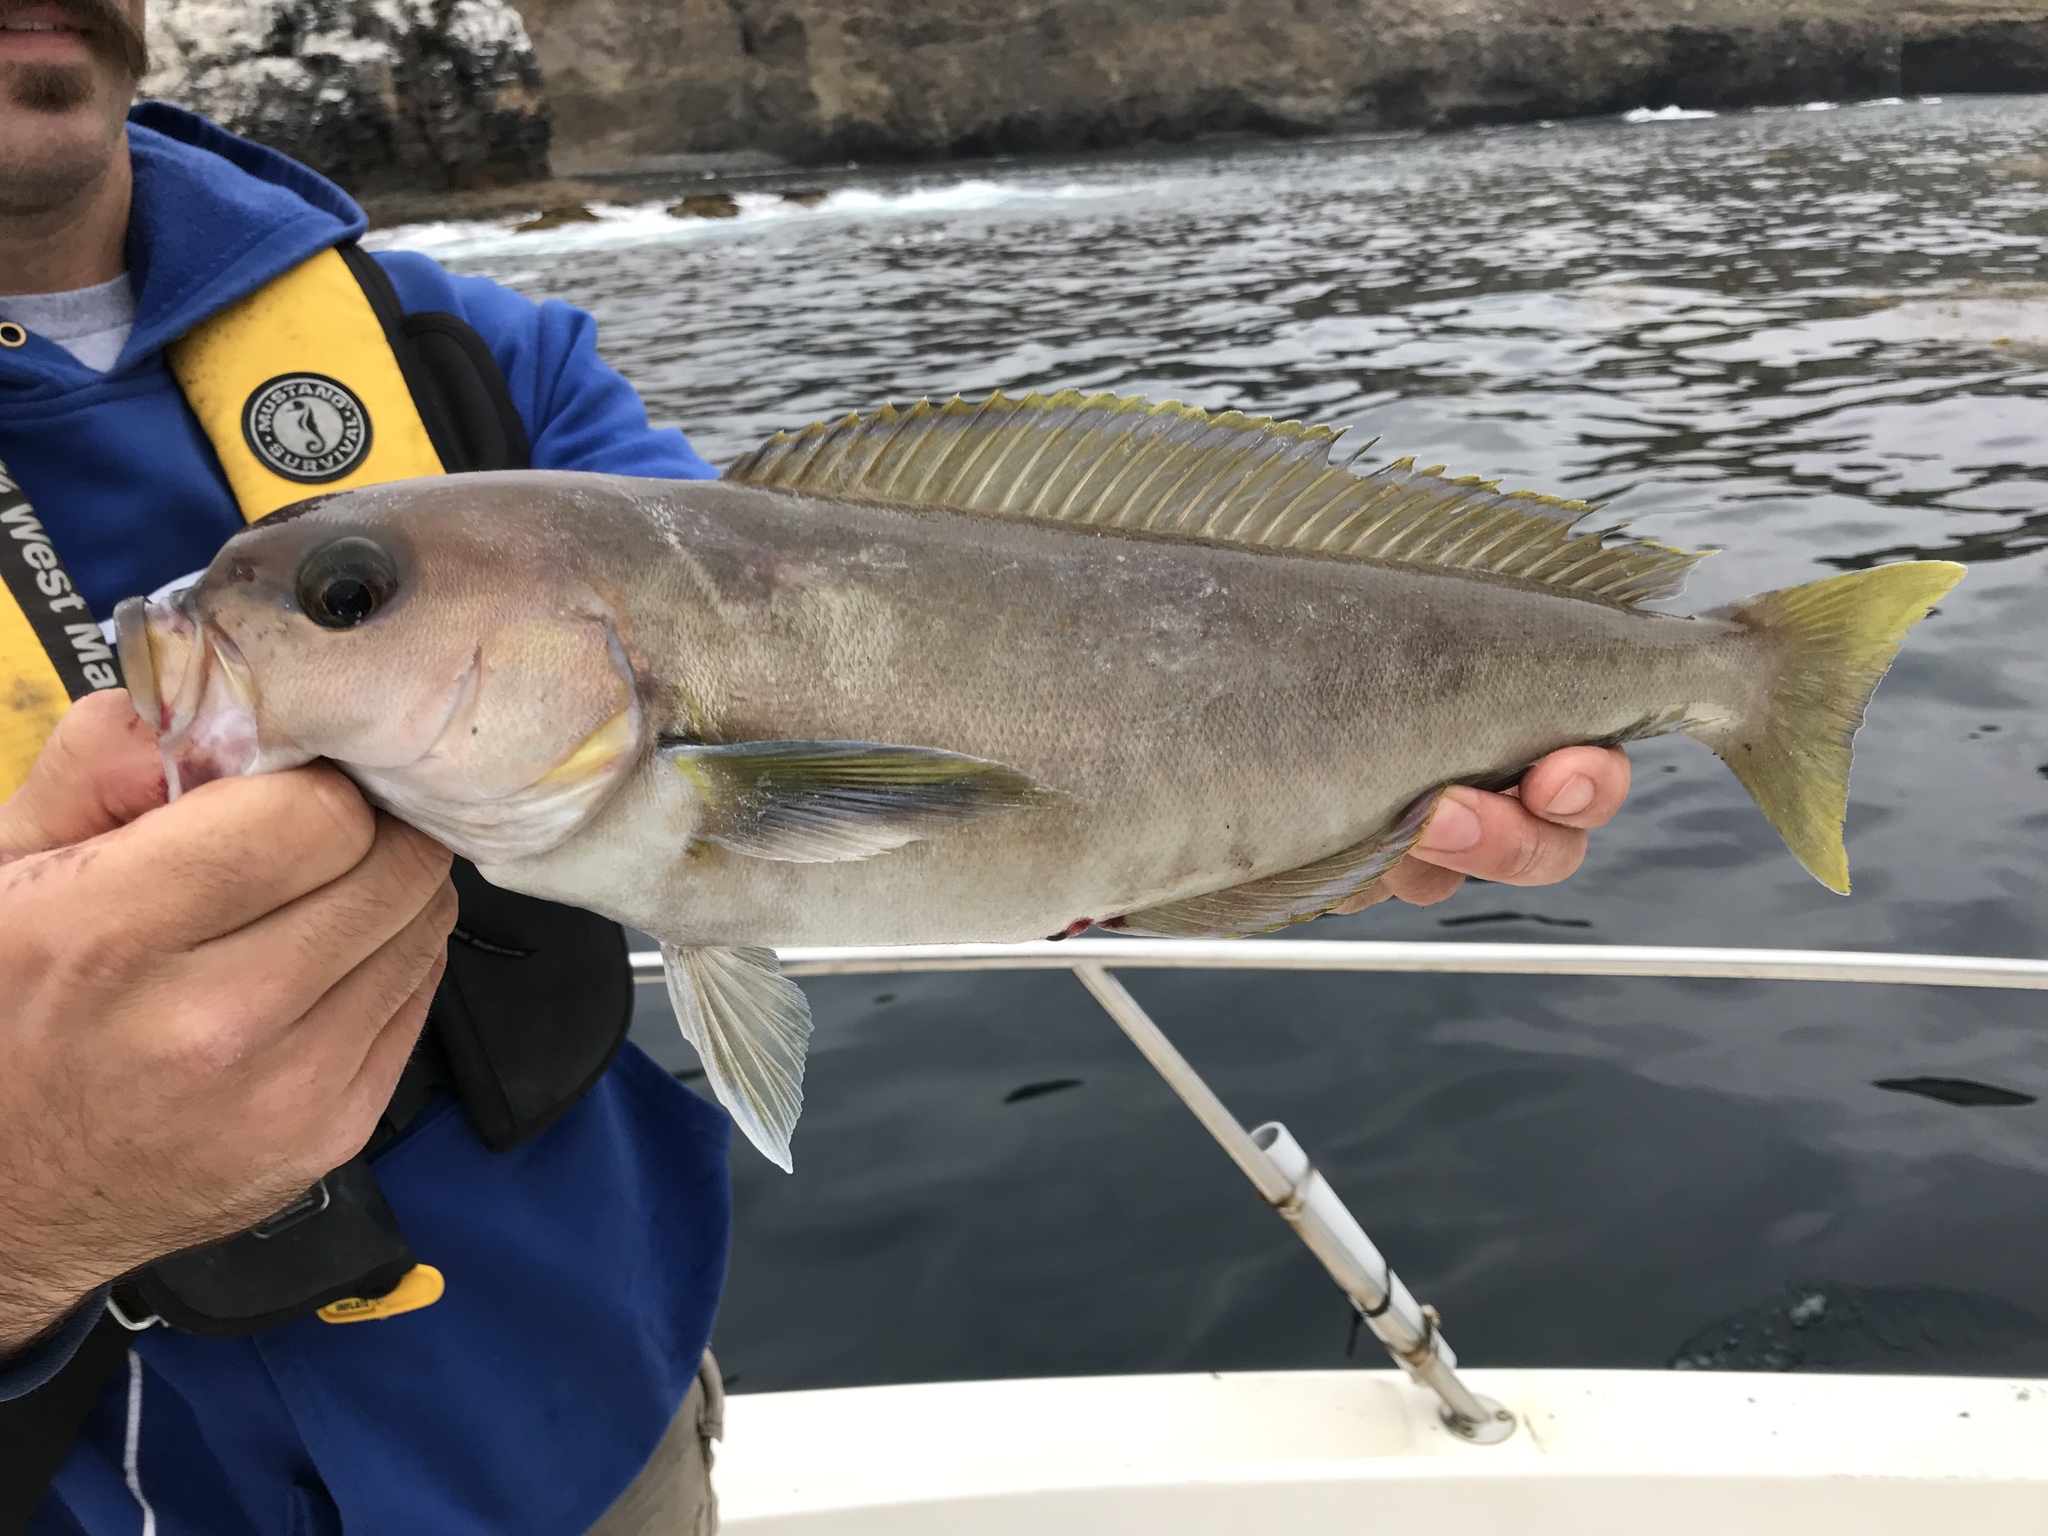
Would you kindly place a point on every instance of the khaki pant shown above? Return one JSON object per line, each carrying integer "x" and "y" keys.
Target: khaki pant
{"x": 672, "y": 1496}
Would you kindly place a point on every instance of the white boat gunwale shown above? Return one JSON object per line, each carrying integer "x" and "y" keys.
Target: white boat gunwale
{"x": 1316, "y": 1453}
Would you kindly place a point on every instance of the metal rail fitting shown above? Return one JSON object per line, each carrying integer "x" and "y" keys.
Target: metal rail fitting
{"x": 1286, "y": 1180}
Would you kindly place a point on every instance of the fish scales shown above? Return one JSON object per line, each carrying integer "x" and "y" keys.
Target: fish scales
{"x": 976, "y": 671}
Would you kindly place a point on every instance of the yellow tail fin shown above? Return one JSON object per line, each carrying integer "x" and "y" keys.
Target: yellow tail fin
{"x": 1838, "y": 637}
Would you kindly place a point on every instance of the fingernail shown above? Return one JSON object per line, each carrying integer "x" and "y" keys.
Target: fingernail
{"x": 1452, "y": 828}
{"x": 1576, "y": 795}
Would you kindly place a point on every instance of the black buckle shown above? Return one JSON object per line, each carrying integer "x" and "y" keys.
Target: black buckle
{"x": 338, "y": 1239}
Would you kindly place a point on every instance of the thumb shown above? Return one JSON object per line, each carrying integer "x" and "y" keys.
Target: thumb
{"x": 98, "y": 771}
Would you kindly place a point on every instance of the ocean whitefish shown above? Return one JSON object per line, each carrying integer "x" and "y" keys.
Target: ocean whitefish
{"x": 977, "y": 672}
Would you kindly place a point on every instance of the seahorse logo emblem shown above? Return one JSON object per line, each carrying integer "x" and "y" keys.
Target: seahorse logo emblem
{"x": 306, "y": 427}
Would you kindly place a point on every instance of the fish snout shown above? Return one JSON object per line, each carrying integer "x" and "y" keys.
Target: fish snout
{"x": 191, "y": 685}
{"x": 137, "y": 625}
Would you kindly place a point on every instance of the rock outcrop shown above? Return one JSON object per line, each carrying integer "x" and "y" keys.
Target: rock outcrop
{"x": 440, "y": 95}
{"x": 634, "y": 82}
{"x": 382, "y": 95}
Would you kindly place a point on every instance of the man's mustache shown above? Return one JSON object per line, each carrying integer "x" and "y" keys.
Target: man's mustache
{"x": 109, "y": 28}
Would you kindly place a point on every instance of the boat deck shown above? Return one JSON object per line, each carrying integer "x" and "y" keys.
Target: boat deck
{"x": 1632, "y": 1453}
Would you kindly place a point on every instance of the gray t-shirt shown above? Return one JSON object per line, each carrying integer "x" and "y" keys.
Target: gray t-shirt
{"x": 92, "y": 324}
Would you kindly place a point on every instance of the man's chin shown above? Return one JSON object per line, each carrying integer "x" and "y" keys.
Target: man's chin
{"x": 50, "y": 90}
{"x": 60, "y": 128}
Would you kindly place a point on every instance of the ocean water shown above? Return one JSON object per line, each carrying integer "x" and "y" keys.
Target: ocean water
{"x": 1817, "y": 338}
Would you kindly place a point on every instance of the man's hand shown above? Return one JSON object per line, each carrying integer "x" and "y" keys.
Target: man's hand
{"x": 202, "y": 1009}
{"x": 1535, "y": 834}
{"x": 99, "y": 770}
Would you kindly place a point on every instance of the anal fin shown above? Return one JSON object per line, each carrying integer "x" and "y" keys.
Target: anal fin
{"x": 751, "y": 1026}
{"x": 1292, "y": 896}
{"x": 1297, "y": 895}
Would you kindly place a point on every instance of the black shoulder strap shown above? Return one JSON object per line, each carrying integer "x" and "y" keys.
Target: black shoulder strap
{"x": 36, "y": 1431}
{"x": 536, "y": 1001}
{"x": 465, "y": 403}
{"x": 456, "y": 384}
{"x": 338, "y": 1239}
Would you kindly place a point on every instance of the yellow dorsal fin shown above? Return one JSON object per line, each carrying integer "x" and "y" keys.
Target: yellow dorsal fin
{"x": 1177, "y": 471}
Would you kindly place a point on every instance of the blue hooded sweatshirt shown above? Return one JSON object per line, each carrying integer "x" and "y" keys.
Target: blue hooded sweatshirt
{"x": 582, "y": 1268}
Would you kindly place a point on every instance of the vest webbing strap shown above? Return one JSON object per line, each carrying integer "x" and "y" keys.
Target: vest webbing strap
{"x": 299, "y": 389}
{"x": 51, "y": 650}
{"x": 315, "y": 323}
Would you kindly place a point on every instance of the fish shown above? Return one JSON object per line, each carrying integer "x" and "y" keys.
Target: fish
{"x": 985, "y": 670}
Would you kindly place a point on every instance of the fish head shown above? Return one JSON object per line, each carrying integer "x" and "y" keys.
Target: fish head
{"x": 444, "y": 651}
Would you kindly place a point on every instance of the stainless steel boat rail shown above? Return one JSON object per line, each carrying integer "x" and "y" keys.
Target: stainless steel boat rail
{"x": 1271, "y": 1158}
{"x": 1666, "y": 960}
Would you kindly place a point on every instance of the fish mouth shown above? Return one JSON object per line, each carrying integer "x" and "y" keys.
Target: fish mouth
{"x": 190, "y": 685}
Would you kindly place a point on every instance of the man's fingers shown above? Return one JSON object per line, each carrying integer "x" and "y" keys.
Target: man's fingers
{"x": 378, "y": 1075}
{"x": 1380, "y": 890}
{"x": 1496, "y": 838}
{"x": 1412, "y": 881}
{"x": 333, "y": 1071}
{"x": 338, "y": 1033}
{"x": 1420, "y": 884}
{"x": 1578, "y": 787}
{"x": 223, "y": 856}
{"x": 290, "y": 958}
{"x": 98, "y": 771}
{"x": 377, "y": 1078}
{"x": 1534, "y": 836}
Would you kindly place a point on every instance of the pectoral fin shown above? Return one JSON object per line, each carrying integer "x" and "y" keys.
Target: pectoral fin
{"x": 751, "y": 1027}
{"x": 817, "y": 802}
{"x": 1293, "y": 896}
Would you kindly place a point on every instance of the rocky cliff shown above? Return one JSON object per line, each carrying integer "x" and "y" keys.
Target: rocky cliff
{"x": 635, "y": 82}
{"x": 439, "y": 95}
{"x": 380, "y": 94}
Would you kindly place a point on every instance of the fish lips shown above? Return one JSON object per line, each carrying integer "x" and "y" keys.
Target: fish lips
{"x": 141, "y": 659}
{"x": 190, "y": 684}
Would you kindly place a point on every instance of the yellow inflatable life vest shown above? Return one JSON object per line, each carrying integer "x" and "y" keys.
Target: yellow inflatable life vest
{"x": 303, "y": 387}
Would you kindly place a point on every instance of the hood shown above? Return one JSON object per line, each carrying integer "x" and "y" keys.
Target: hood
{"x": 214, "y": 218}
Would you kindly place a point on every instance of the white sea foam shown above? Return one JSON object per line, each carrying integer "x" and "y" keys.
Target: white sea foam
{"x": 633, "y": 224}
{"x": 1671, "y": 114}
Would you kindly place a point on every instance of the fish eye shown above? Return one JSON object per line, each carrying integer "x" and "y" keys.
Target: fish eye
{"x": 343, "y": 583}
